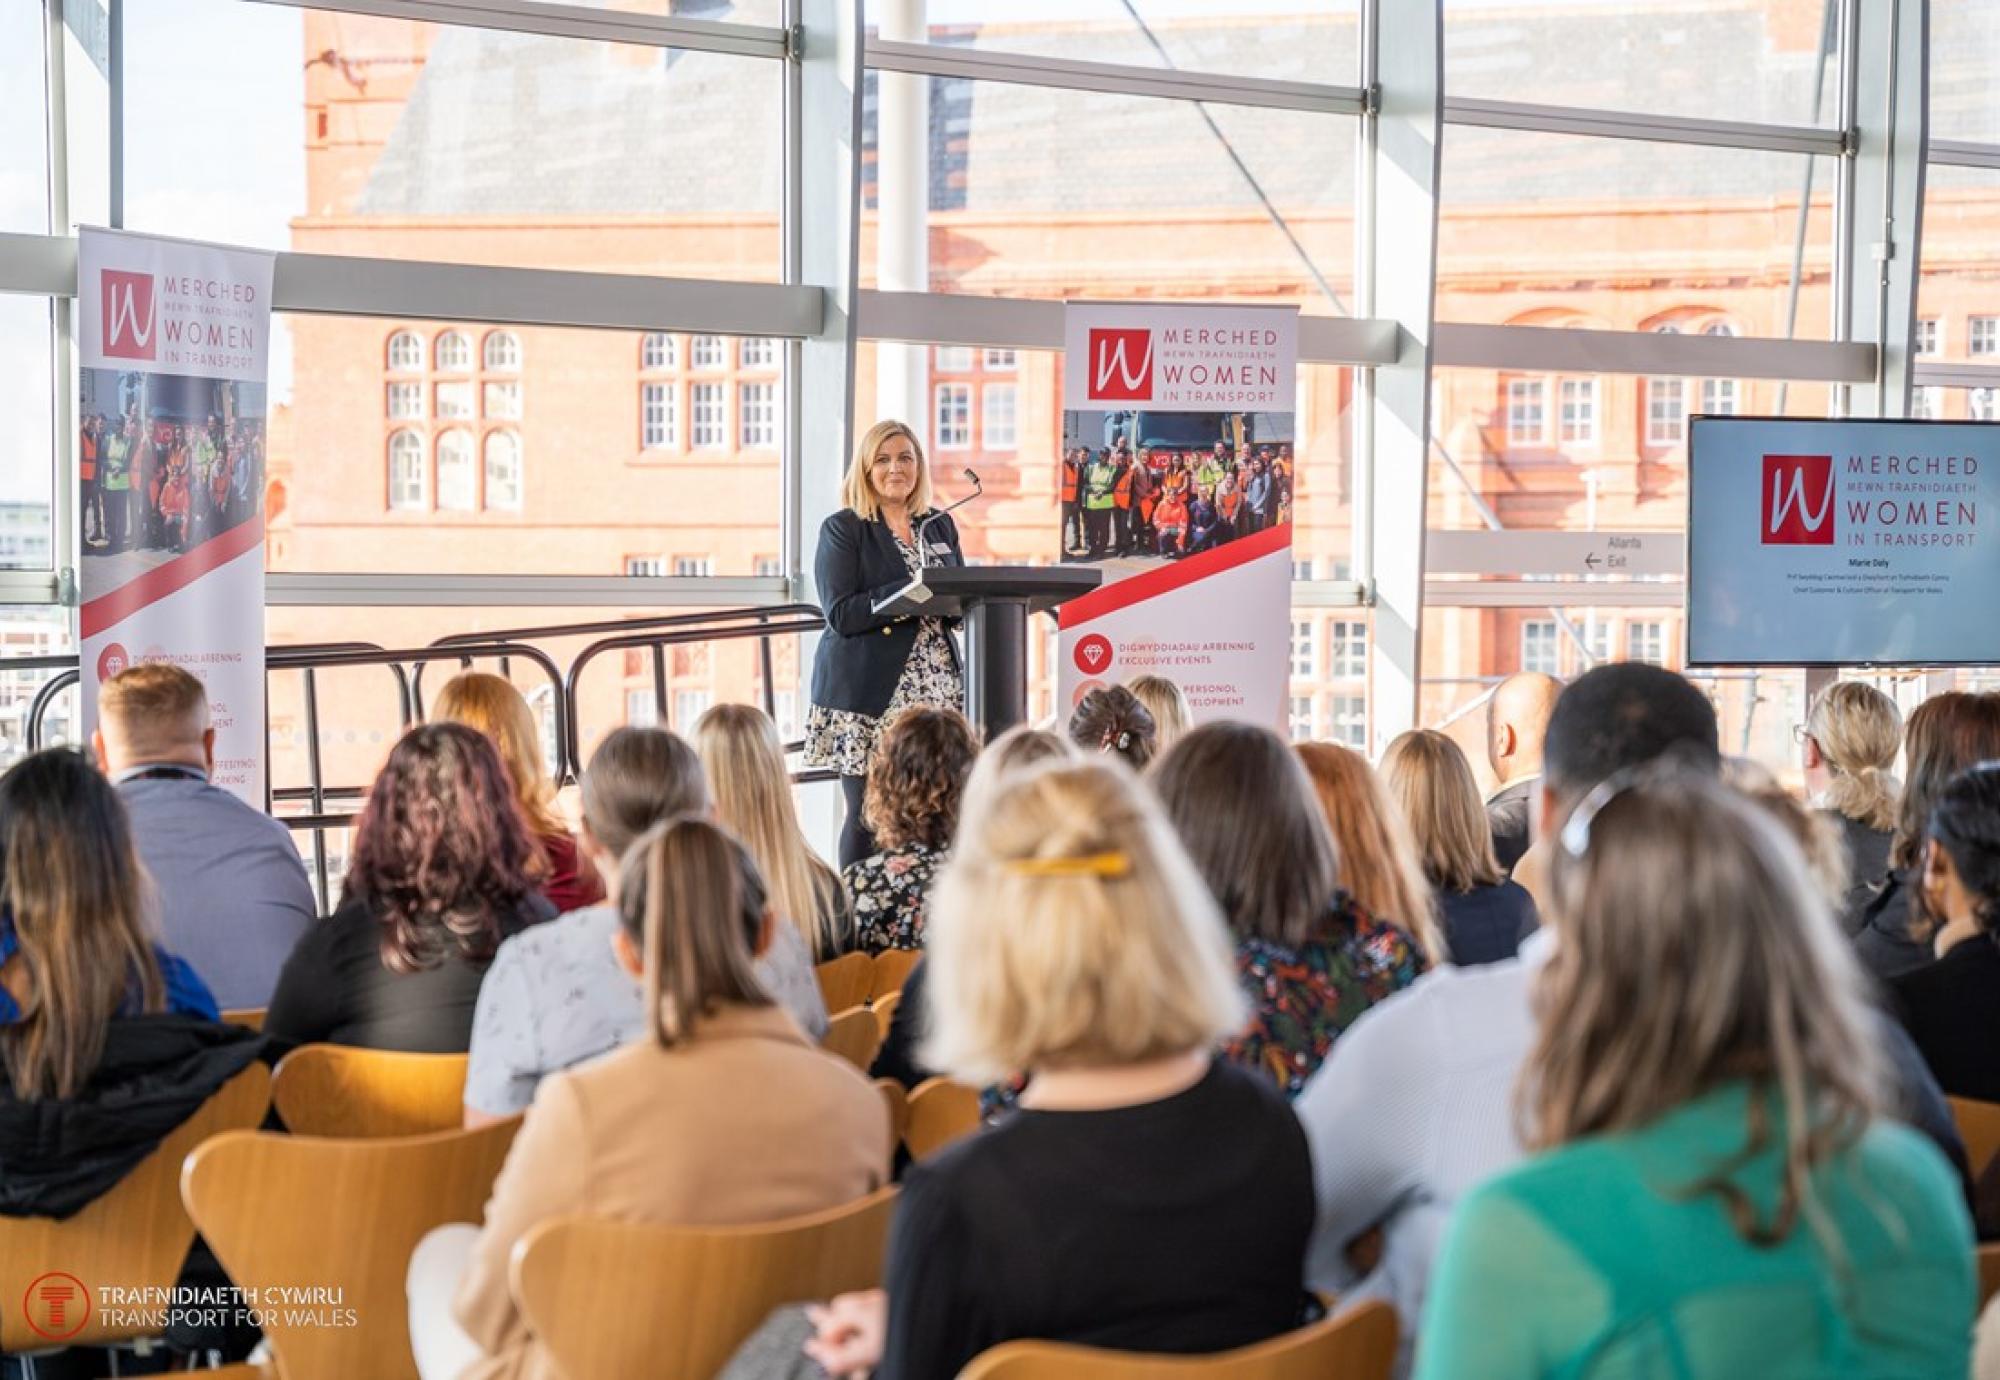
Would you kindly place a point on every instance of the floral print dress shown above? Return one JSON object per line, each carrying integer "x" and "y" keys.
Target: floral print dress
{"x": 890, "y": 890}
{"x": 844, "y": 739}
{"x": 1303, "y": 998}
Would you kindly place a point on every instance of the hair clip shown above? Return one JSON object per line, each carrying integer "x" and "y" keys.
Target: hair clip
{"x": 1089, "y": 865}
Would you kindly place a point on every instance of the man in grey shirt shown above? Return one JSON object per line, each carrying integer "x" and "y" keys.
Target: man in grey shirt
{"x": 233, "y": 894}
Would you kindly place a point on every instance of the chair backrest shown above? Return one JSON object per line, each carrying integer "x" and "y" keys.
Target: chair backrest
{"x": 941, "y": 1112}
{"x": 632, "y": 1298}
{"x": 885, "y": 1011}
{"x": 1979, "y": 1128}
{"x": 306, "y": 1212}
{"x": 1989, "y": 1273}
{"x": 1356, "y": 1345}
{"x": 844, "y": 981}
{"x": 350, "y": 1093}
{"x": 898, "y": 1100}
{"x": 249, "y": 1017}
{"x": 134, "y": 1236}
{"x": 892, "y": 970}
{"x": 854, "y": 1036}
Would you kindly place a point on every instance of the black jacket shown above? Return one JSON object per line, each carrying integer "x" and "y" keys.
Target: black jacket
{"x": 861, "y": 656}
{"x": 56, "y": 1158}
{"x": 1884, "y": 943}
{"x": 1507, "y": 814}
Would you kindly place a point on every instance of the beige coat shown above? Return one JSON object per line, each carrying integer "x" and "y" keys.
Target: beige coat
{"x": 747, "y": 1122}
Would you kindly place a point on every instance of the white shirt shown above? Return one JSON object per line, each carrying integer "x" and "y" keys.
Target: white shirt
{"x": 1413, "y": 1107}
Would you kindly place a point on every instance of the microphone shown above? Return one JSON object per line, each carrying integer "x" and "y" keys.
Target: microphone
{"x": 916, "y": 591}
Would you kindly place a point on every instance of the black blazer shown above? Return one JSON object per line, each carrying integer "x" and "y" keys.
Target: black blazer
{"x": 861, "y": 656}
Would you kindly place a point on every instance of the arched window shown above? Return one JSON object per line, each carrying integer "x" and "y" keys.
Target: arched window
{"x": 454, "y": 352}
{"x": 708, "y": 352}
{"x": 502, "y": 352}
{"x": 455, "y": 477}
{"x": 406, "y": 352}
{"x": 406, "y": 471}
{"x": 503, "y": 471}
{"x": 1722, "y": 328}
{"x": 657, "y": 351}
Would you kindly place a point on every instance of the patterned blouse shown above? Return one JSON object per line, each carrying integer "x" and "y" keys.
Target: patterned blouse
{"x": 844, "y": 739}
{"x": 1302, "y": 999}
{"x": 889, "y": 891}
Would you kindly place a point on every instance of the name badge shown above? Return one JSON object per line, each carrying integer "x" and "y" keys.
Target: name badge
{"x": 939, "y": 548}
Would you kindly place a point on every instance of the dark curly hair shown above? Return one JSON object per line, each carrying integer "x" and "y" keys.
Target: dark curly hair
{"x": 441, "y": 850}
{"x": 917, "y": 776}
{"x": 1965, "y": 823}
{"x": 1112, "y": 719}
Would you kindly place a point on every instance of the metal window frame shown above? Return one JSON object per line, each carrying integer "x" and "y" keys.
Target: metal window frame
{"x": 572, "y": 21}
{"x": 1624, "y": 124}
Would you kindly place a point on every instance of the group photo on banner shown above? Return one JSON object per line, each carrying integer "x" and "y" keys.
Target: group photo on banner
{"x": 172, "y": 398}
{"x": 1178, "y": 465}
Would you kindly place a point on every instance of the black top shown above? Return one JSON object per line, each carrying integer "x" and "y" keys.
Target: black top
{"x": 1867, "y": 867}
{"x": 1507, "y": 813}
{"x": 1173, "y": 1226}
{"x": 1486, "y": 924}
{"x": 897, "y": 1058}
{"x": 335, "y": 988}
{"x": 858, "y": 564}
{"x": 1951, "y": 1007}
{"x": 1884, "y": 943}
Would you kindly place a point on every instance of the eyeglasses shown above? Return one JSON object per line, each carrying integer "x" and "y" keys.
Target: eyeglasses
{"x": 1799, "y": 734}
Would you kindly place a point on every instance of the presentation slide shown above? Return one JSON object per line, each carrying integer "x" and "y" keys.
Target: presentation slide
{"x": 1842, "y": 543}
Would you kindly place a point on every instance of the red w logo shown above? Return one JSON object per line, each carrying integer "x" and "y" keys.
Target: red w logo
{"x": 1121, "y": 365}
{"x": 128, "y": 315}
{"x": 1792, "y": 485}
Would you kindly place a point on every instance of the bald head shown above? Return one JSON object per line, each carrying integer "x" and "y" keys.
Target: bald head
{"x": 1517, "y": 724}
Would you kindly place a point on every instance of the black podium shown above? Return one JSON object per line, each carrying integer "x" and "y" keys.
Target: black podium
{"x": 995, "y": 601}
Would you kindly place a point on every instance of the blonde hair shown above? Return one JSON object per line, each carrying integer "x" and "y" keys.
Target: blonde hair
{"x": 857, "y": 490}
{"x": 1859, "y": 733}
{"x": 753, "y": 796}
{"x": 154, "y": 707}
{"x": 1694, "y": 951}
{"x": 1431, "y": 781}
{"x": 491, "y": 705}
{"x": 1115, "y": 962}
{"x": 1168, "y": 704}
{"x": 691, "y": 899}
{"x": 1378, "y": 858}
{"x": 1013, "y": 752}
{"x": 1819, "y": 838}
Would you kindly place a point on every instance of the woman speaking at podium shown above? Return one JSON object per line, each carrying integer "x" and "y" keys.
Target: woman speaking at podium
{"x": 871, "y": 666}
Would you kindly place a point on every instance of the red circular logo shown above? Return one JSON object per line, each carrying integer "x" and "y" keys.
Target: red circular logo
{"x": 113, "y": 659}
{"x": 57, "y": 1306}
{"x": 1094, "y": 654}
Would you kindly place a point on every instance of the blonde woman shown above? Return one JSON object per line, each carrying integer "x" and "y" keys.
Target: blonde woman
{"x": 1148, "y": 1196}
{"x": 1485, "y": 916}
{"x": 1168, "y": 704}
{"x": 1718, "y": 1194}
{"x": 1379, "y": 866}
{"x": 869, "y": 666}
{"x": 752, "y": 791}
{"x": 494, "y": 707}
{"x": 1849, "y": 742}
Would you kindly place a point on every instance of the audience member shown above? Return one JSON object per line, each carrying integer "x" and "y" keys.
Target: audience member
{"x": 1850, "y": 740}
{"x": 492, "y": 705}
{"x": 108, "y": 1041}
{"x": 1947, "y": 734}
{"x": 1951, "y": 1007}
{"x": 1309, "y": 957}
{"x": 1517, "y": 723}
{"x": 155, "y": 742}
{"x": 1485, "y": 916}
{"x": 444, "y": 868}
{"x": 915, "y": 782}
{"x": 556, "y": 994}
{"x": 1718, "y": 1194}
{"x": 1378, "y": 859}
{"x": 725, "y": 1115}
{"x": 1168, "y": 704}
{"x": 745, "y": 762}
{"x": 1148, "y": 1196}
{"x": 1815, "y": 832}
{"x": 1112, "y": 719}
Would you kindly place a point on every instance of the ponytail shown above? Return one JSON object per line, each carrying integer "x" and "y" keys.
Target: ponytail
{"x": 695, "y": 906}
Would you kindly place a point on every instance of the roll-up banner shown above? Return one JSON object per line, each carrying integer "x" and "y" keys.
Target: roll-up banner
{"x": 1177, "y": 470}
{"x": 173, "y": 339}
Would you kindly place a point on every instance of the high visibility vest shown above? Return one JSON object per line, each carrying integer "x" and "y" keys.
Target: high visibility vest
{"x": 1121, "y": 492}
{"x": 1070, "y": 478}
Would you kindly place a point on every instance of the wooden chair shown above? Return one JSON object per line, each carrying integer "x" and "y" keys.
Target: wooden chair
{"x": 1979, "y": 1128}
{"x": 844, "y": 981}
{"x": 626, "y": 1298}
{"x": 885, "y": 1012}
{"x": 1358, "y": 1345}
{"x": 356, "y": 1094}
{"x": 854, "y": 1036}
{"x": 892, "y": 970}
{"x": 307, "y": 1212}
{"x": 249, "y": 1017}
{"x": 941, "y": 1112}
{"x": 135, "y": 1236}
{"x": 899, "y": 1107}
{"x": 1989, "y": 1273}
